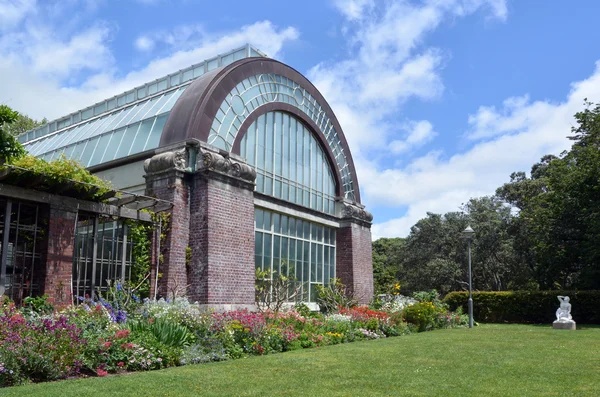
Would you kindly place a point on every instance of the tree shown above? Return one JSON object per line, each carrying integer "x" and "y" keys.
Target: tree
{"x": 10, "y": 148}
{"x": 21, "y": 124}
{"x": 388, "y": 254}
{"x": 558, "y": 224}
{"x": 434, "y": 254}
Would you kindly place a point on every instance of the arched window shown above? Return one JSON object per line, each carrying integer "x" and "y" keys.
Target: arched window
{"x": 290, "y": 164}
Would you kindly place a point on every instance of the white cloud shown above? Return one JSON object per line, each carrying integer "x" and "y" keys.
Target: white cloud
{"x": 389, "y": 64}
{"x": 144, "y": 43}
{"x": 12, "y": 12}
{"x": 418, "y": 134}
{"x": 43, "y": 83}
{"x": 354, "y": 9}
{"x": 525, "y": 131}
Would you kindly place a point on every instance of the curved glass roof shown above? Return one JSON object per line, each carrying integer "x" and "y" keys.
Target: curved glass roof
{"x": 126, "y": 124}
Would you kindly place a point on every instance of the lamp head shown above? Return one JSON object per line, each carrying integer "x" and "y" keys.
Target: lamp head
{"x": 468, "y": 233}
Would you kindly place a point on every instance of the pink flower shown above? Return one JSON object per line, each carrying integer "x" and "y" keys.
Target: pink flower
{"x": 101, "y": 372}
{"x": 107, "y": 345}
{"x": 120, "y": 364}
{"x": 122, "y": 334}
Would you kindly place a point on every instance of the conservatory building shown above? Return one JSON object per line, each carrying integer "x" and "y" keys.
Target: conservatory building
{"x": 255, "y": 164}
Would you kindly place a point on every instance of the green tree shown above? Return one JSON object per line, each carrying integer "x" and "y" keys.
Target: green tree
{"x": 435, "y": 254}
{"x": 10, "y": 148}
{"x": 21, "y": 124}
{"x": 388, "y": 254}
{"x": 558, "y": 224}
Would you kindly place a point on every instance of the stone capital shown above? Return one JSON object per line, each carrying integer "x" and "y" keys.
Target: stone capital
{"x": 221, "y": 162}
{"x": 172, "y": 160}
{"x": 354, "y": 211}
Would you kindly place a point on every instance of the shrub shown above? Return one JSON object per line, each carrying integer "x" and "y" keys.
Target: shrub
{"x": 179, "y": 311}
{"x": 206, "y": 351}
{"x": 165, "y": 331}
{"x": 334, "y": 296}
{"x": 423, "y": 315}
{"x": 38, "y": 305}
{"x": 44, "y": 350}
{"x": 274, "y": 289}
{"x": 527, "y": 306}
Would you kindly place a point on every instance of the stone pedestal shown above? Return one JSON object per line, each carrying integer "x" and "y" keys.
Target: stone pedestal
{"x": 570, "y": 325}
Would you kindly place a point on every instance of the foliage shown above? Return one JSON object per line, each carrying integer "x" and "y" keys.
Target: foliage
{"x": 44, "y": 350}
{"x": 116, "y": 333}
{"x": 334, "y": 296}
{"x": 527, "y": 306}
{"x": 179, "y": 311}
{"x": 429, "y": 296}
{"x": 206, "y": 351}
{"x": 10, "y": 148}
{"x": 166, "y": 332}
{"x": 539, "y": 231}
{"x": 423, "y": 315}
{"x": 21, "y": 124}
{"x": 141, "y": 238}
{"x": 274, "y": 289}
{"x": 396, "y": 303}
{"x": 490, "y": 360}
{"x": 37, "y": 304}
{"x": 58, "y": 175}
{"x": 387, "y": 263}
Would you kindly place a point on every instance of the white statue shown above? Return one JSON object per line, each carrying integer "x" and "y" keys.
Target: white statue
{"x": 563, "y": 313}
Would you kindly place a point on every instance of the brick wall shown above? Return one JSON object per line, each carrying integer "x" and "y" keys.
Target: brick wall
{"x": 171, "y": 186}
{"x": 222, "y": 241}
{"x": 354, "y": 260}
{"x": 59, "y": 255}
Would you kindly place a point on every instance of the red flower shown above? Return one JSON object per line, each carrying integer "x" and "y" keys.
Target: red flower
{"x": 107, "y": 345}
{"x": 101, "y": 372}
{"x": 122, "y": 334}
{"x": 120, "y": 364}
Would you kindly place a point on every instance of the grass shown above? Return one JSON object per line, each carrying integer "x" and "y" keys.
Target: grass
{"x": 490, "y": 360}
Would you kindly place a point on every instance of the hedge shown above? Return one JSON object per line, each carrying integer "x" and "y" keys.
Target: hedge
{"x": 538, "y": 307}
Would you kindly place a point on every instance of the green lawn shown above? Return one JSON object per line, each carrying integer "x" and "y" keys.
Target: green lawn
{"x": 490, "y": 360}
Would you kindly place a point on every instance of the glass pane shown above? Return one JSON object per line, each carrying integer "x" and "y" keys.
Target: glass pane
{"x": 127, "y": 140}
{"x": 100, "y": 149}
{"x": 115, "y": 144}
{"x": 156, "y": 133}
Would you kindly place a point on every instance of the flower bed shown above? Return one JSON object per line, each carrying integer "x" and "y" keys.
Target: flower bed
{"x": 99, "y": 338}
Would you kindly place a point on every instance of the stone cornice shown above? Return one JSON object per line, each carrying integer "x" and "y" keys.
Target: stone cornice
{"x": 222, "y": 163}
{"x": 353, "y": 211}
{"x": 173, "y": 160}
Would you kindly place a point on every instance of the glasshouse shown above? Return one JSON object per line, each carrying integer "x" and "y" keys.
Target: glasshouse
{"x": 252, "y": 164}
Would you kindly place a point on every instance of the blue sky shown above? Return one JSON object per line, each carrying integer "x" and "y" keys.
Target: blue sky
{"x": 440, "y": 100}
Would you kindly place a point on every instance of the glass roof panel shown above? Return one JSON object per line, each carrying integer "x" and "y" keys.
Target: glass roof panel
{"x": 112, "y": 135}
{"x": 130, "y": 133}
{"x": 115, "y": 142}
{"x": 125, "y": 124}
{"x": 154, "y": 136}
{"x": 100, "y": 149}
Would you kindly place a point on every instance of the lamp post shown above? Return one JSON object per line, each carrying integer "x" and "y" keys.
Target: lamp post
{"x": 468, "y": 234}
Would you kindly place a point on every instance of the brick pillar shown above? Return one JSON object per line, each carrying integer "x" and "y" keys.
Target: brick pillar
{"x": 354, "y": 259}
{"x": 59, "y": 255}
{"x": 165, "y": 179}
{"x": 222, "y": 233}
